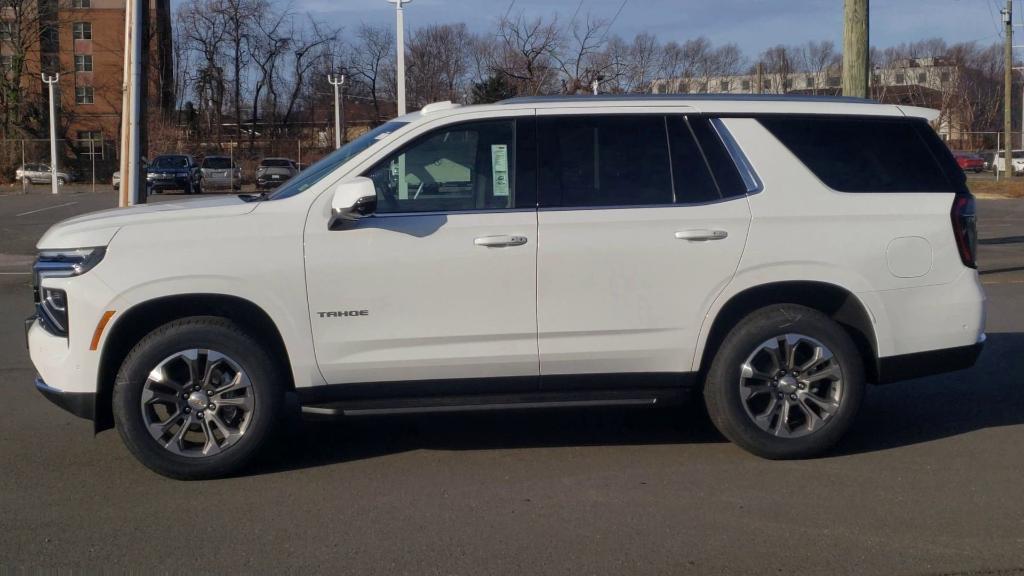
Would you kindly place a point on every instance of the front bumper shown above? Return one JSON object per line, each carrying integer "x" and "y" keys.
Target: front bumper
{"x": 81, "y": 404}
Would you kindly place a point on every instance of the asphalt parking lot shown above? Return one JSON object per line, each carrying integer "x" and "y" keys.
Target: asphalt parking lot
{"x": 928, "y": 481}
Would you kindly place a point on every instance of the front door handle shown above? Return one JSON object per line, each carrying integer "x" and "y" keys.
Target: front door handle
{"x": 702, "y": 235}
{"x": 500, "y": 241}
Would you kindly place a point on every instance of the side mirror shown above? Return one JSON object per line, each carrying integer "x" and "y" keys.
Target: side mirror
{"x": 352, "y": 200}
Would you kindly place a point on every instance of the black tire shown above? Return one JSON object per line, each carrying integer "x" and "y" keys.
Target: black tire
{"x": 61, "y": 181}
{"x": 722, "y": 394}
{"x": 197, "y": 188}
{"x": 202, "y": 332}
{"x": 26, "y": 180}
{"x": 188, "y": 187}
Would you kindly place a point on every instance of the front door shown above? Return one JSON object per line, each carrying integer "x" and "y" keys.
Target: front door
{"x": 638, "y": 235}
{"x": 440, "y": 282}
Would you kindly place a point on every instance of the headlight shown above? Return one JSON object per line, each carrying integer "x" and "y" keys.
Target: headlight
{"x": 52, "y": 303}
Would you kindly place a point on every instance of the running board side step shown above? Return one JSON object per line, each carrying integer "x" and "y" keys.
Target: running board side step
{"x": 496, "y": 402}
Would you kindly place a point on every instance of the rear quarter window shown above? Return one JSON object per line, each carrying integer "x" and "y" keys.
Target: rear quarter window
{"x": 864, "y": 154}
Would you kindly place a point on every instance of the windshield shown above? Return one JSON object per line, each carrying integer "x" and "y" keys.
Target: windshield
{"x": 217, "y": 163}
{"x": 169, "y": 162}
{"x": 319, "y": 170}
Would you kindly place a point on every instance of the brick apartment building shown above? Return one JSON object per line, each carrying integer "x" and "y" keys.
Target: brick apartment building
{"x": 83, "y": 40}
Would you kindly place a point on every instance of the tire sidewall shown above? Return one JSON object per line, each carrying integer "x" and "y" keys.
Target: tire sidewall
{"x": 722, "y": 392}
{"x": 203, "y": 333}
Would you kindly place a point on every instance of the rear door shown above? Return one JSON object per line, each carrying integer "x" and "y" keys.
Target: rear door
{"x": 642, "y": 223}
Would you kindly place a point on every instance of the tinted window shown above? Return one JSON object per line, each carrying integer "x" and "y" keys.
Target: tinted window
{"x": 277, "y": 162}
{"x": 460, "y": 167}
{"x": 693, "y": 181}
{"x": 170, "y": 162}
{"x": 722, "y": 165}
{"x": 604, "y": 161}
{"x": 217, "y": 163}
{"x": 864, "y": 154}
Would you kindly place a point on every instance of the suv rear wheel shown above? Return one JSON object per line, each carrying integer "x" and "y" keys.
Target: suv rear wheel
{"x": 787, "y": 382}
{"x": 197, "y": 398}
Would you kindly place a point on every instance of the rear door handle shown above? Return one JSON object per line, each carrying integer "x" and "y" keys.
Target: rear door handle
{"x": 500, "y": 241}
{"x": 701, "y": 235}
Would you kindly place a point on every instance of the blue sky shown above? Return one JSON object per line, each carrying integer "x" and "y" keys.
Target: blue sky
{"x": 753, "y": 24}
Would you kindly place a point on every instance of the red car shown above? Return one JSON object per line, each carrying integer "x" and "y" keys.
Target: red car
{"x": 969, "y": 162}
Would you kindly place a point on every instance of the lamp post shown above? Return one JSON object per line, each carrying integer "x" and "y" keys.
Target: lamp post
{"x": 400, "y": 24}
{"x": 337, "y": 81}
{"x": 51, "y": 82}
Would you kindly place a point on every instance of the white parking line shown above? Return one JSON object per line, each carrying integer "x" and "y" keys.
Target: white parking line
{"x": 47, "y": 208}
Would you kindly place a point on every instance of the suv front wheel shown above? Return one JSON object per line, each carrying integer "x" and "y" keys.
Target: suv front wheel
{"x": 197, "y": 398}
{"x": 786, "y": 383}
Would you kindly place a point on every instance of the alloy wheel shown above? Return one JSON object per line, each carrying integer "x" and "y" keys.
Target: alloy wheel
{"x": 197, "y": 403}
{"x": 791, "y": 385}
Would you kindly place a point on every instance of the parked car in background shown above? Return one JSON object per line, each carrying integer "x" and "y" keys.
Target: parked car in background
{"x": 1016, "y": 162}
{"x": 272, "y": 172}
{"x": 969, "y": 162}
{"x": 115, "y": 180}
{"x": 40, "y": 174}
{"x": 175, "y": 172}
{"x": 221, "y": 172}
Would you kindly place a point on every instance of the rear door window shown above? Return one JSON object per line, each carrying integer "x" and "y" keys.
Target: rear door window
{"x": 604, "y": 161}
{"x": 867, "y": 154}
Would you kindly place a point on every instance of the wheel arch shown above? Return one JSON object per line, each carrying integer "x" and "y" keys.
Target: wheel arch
{"x": 144, "y": 317}
{"x": 836, "y": 302}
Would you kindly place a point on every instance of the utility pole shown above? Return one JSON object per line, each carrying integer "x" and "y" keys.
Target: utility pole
{"x": 135, "y": 178}
{"x": 759, "y": 88}
{"x": 51, "y": 82}
{"x": 337, "y": 81}
{"x": 400, "y": 24}
{"x": 1008, "y": 90}
{"x": 856, "y": 40}
{"x": 126, "y": 102}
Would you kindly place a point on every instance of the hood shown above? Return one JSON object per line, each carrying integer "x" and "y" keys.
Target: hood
{"x": 98, "y": 228}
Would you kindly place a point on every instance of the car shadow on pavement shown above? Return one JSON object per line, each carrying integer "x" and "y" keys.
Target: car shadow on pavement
{"x": 895, "y": 415}
{"x": 989, "y": 395}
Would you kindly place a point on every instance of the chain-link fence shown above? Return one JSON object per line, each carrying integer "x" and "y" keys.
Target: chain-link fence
{"x": 89, "y": 165}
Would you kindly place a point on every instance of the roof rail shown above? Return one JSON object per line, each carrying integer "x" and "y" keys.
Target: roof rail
{"x": 687, "y": 97}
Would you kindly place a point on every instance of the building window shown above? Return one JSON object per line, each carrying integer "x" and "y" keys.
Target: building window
{"x": 83, "y": 62}
{"x": 876, "y": 79}
{"x": 82, "y": 30}
{"x": 91, "y": 142}
{"x": 922, "y": 78}
{"x": 6, "y": 64}
{"x": 49, "y": 40}
{"x": 724, "y": 86}
{"x": 51, "y": 63}
{"x": 81, "y": 3}
{"x": 900, "y": 78}
{"x": 834, "y": 81}
{"x": 6, "y": 30}
{"x": 746, "y": 85}
{"x": 767, "y": 84}
{"x": 944, "y": 77}
{"x": 809, "y": 82}
{"x": 83, "y": 95}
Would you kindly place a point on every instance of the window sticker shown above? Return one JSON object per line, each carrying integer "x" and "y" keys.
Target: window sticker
{"x": 499, "y": 162}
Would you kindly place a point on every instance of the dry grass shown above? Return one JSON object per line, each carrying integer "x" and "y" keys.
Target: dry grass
{"x": 1013, "y": 188}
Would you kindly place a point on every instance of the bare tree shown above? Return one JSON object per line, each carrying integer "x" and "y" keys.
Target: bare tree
{"x": 438, "y": 63}
{"x": 371, "y": 60}
{"x": 525, "y": 54}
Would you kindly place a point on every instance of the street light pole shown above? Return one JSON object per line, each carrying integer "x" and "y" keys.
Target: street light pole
{"x": 51, "y": 81}
{"x": 400, "y": 24}
{"x": 337, "y": 81}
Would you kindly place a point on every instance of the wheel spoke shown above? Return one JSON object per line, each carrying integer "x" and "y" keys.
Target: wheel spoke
{"x": 751, "y": 390}
{"x": 749, "y": 371}
{"x": 210, "y": 447}
{"x": 813, "y": 420}
{"x": 176, "y": 443}
{"x": 213, "y": 361}
{"x": 195, "y": 359}
{"x": 241, "y": 402}
{"x": 239, "y": 382}
{"x": 816, "y": 358}
{"x": 782, "y": 424}
{"x": 150, "y": 396}
{"x": 830, "y": 371}
{"x": 764, "y": 419}
{"x": 159, "y": 429}
{"x": 828, "y": 407}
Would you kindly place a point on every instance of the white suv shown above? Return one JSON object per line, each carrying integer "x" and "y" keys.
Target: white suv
{"x": 777, "y": 254}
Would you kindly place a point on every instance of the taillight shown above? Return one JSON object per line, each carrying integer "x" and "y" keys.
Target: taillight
{"x": 965, "y": 229}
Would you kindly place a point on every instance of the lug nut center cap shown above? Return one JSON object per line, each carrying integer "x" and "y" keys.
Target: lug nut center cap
{"x": 197, "y": 400}
{"x": 787, "y": 385}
